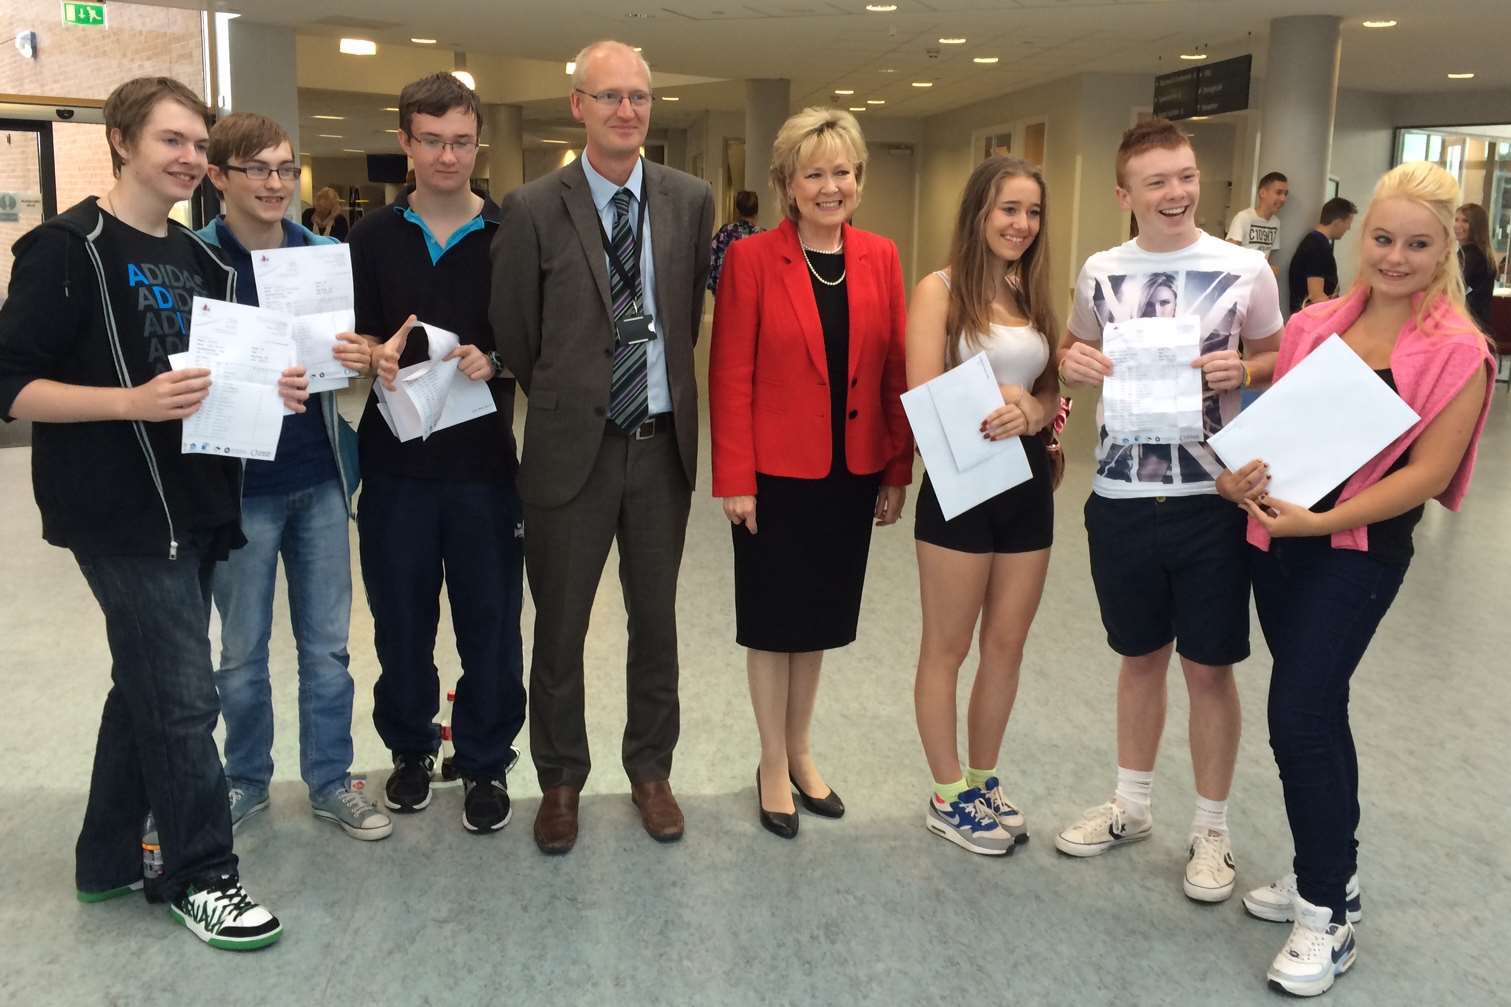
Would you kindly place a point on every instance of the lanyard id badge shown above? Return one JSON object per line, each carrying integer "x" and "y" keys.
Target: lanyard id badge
{"x": 637, "y": 326}
{"x": 634, "y": 328}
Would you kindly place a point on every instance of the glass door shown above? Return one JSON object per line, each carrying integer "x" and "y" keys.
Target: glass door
{"x": 27, "y": 189}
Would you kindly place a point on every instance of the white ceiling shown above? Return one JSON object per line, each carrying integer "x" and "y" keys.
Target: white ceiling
{"x": 821, "y": 45}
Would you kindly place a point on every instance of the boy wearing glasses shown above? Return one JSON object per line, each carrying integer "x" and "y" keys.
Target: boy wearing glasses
{"x": 441, "y": 508}
{"x": 295, "y": 506}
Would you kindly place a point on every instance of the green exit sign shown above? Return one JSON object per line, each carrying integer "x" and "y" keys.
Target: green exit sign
{"x": 91, "y": 15}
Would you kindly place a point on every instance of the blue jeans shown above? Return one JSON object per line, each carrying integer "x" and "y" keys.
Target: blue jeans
{"x": 415, "y": 534}
{"x": 309, "y": 529}
{"x": 1319, "y": 608}
{"x": 156, "y": 744}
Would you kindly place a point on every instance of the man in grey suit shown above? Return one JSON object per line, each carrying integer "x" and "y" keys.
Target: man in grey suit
{"x": 598, "y": 278}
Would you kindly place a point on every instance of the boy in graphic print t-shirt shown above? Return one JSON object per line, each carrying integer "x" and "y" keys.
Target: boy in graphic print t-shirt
{"x": 1168, "y": 557}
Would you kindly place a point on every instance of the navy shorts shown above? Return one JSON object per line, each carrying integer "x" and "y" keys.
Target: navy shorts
{"x": 1171, "y": 568}
{"x": 1020, "y": 519}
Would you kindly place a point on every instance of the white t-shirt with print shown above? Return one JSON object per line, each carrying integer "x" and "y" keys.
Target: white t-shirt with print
{"x": 1231, "y": 289}
{"x": 1251, "y": 230}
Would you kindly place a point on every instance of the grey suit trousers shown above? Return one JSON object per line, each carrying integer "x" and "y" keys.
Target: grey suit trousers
{"x": 637, "y": 495}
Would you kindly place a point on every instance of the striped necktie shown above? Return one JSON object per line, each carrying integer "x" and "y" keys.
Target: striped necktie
{"x": 628, "y": 397}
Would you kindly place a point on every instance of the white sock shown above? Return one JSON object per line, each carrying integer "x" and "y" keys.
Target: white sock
{"x": 1210, "y": 815}
{"x": 1135, "y": 791}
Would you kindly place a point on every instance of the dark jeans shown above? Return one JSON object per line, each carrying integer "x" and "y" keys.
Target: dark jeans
{"x": 156, "y": 747}
{"x": 1319, "y": 608}
{"x": 415, "y": 534}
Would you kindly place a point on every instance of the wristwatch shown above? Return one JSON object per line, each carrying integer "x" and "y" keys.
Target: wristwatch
{"x": 498, "y": 364}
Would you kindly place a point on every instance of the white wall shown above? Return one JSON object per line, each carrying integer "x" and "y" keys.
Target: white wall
{"x": 1363, "y": 137}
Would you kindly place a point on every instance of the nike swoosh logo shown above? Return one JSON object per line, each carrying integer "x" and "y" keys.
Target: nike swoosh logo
{"x": 1345, "y": 949}
{"x": 952, "y": 819}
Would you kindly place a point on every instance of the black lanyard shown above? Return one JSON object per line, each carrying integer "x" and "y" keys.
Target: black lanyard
{"x": 639, "y": 237}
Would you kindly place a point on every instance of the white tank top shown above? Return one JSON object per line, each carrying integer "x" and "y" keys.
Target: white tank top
{"x": 1018, "y": 353}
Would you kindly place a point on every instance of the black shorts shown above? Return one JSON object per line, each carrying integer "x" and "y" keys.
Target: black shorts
{"x": 1021, "y": 519}
{"x": 1171, "y": 568}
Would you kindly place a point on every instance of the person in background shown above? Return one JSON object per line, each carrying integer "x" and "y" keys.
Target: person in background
{"x": 296, "y": 506}
{"x": 989, "y": 563}
{"x": 747, "y": 205}
{"x": 810, "y": 442}
{"x": 1325, "y": 577}
{"x": 1256, "y": 227}
{"x": 1471, "y": 228}
{"x": 325, "y": 217}
{"x": 1314, "y": 271}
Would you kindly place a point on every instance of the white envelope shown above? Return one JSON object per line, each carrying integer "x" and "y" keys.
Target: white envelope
{"x": 1317, "y": 426}
{"x": 959, "y": 490}
{"x": 963, "y": 397}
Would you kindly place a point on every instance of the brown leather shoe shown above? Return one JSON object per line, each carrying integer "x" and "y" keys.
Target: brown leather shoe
{"x": 658, "y": 810}
{"x": 556, "y": 821}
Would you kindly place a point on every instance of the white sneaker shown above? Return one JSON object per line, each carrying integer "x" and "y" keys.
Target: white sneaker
{"x": 224, "y": 916}
{"x": 1274, "y": 902}
{"x": 1100, "y": 829}
{"x": 1316, "y": 953}
{"x": 1209, "y": 867}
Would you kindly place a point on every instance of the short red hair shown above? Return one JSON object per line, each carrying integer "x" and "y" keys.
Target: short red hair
{"x": 1151, "y": 134}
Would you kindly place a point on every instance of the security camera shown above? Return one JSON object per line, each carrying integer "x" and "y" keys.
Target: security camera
{"x": 931, "y": 53}
{"x": 64, "y": 113}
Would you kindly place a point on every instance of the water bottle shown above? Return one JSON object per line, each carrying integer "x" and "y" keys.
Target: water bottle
{"x": 152, "y": 853}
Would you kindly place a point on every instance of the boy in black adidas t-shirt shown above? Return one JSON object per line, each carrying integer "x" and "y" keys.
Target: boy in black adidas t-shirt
{"x": 100, "y": 296}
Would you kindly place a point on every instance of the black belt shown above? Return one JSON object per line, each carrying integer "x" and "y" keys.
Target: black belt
{"x": 660, "y": 423}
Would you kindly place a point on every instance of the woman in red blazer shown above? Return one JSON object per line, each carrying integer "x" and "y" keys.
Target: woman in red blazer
{"x": 810, "y": 443}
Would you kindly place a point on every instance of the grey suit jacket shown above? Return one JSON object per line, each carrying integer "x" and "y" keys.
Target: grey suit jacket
{"x": 553, "y": 320}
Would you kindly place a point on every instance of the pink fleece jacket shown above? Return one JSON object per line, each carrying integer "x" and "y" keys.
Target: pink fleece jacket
{"x": 1430, "y": 367}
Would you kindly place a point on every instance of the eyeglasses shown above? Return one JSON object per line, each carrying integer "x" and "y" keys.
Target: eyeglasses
{"x": 434, "y": 145}
{"x": 260, "y": 172}
{"x": 611, "y": 99}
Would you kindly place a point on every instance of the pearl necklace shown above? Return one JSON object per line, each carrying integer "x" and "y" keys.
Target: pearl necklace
{"x": 828, "y": 283}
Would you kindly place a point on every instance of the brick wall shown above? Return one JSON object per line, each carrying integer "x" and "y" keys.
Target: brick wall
{"x": 75, "y": 62}
{"x": 83, "y": 63}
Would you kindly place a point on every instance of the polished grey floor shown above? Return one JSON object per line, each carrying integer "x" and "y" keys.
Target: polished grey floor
{"x": 870, "y": 909}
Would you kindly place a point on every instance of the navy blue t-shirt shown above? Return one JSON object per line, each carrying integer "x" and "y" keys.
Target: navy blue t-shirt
{"x": 304, "y": 456}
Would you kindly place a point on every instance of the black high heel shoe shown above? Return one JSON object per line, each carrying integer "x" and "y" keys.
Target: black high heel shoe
{"x": 775, "y": 822}
{"x": 826, "y": 807}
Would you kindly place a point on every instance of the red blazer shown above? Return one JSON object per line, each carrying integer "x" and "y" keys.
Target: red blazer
{"x": 768, "y": 380}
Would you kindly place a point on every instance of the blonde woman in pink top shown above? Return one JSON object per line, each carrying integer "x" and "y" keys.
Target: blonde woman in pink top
{"x": 1325, "y": 577}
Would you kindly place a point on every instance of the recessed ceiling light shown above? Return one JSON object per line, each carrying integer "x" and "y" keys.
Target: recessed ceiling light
{"x": 670, "y": 97}
{"x": 334, "y": 118}
{"x": 923, "y": 83}
{"x": 876, "y": 101}
{"x": 1199, "y": 118}
{"x": 887, "y": 69}
{"x": 359, "y": 47}
{"x": 466, "y": 78}
{"x": 952, "y": 41}
{"x": 571, "y": 68}
{"x": 844, "y": 90}
{"x": 391, "y": 131}
{"x": 881, "y": 8}
{"x": 857, "y": 108}
{"x": 1379, "y": 24}
{"x": 423, "y": 41}
{"x": 483, "y": 146}
{"x": 637, "y": 48}
{"x": 1461, "y": 76}
{"x": 985, "y": 59}
{"x": 352, "y": 150}
{"x": 391, "y": 108}
{"x": 1193, "y": 56}
{"x": 553, "y": 141}
{"x": 332, "y": 136}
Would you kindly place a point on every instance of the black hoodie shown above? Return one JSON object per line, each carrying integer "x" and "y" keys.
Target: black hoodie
{"x": 112, "y": 487}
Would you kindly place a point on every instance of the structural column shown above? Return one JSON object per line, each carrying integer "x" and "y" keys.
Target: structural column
{"x": 1296, "y": 124}
{"x": 766, "y": 105}
{"x": 504, "y": 134}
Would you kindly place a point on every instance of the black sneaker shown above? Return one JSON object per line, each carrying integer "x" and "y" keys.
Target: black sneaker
{"x": 485, "y": 808}
{"x": 224, "y": 916}
{"x": 408, "y": 786}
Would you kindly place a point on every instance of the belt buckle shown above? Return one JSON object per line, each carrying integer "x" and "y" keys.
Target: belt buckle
{"x": 646, "y": 430}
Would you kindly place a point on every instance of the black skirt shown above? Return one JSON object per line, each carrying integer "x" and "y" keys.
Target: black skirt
{"x": 798, "y": 580}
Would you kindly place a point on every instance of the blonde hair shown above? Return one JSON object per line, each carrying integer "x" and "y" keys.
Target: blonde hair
{"x": 1435, "y": 190}
{"x": 810, "y": 134}
{"x": 587, "y": 52}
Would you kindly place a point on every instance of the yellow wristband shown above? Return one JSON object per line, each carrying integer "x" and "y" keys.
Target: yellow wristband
{"x": 1248, "y": 379}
